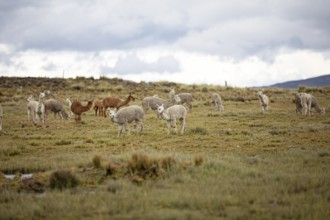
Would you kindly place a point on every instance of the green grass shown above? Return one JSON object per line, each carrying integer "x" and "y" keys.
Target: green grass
{"x": 236, "y": 164}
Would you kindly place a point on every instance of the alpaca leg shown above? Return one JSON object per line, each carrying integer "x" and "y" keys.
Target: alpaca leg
{"x": 120, "y": 129}
{"x": 101, "y": 112}
{"x": 139, "y": 127}
{"x": 174, "y": 126}
{"x": 127, "y": 129}
{"x": 309, "y": 108}
{"x": 105, "y": 112}
{"x": 183, "y": 126}
{"x": 76, "y": 118}
{"x": 168, "y": 127}
{"x": 304, "y": 109}
{"x": 190, "y": 106}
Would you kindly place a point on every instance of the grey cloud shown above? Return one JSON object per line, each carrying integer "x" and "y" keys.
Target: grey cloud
{"x": 133, "y": 65}
{"x": 228, "y": 28}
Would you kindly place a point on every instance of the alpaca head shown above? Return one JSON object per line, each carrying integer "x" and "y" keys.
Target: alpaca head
{"x": 177, "y": 99}
{"x": 90, "y": 103}
{"x": 30, "y": 98}
{"x": 68, "y": 101}
{"x": 130, "y": 97}
{"x": 111, "y": 113}
{"x": 42, "y": 95}
{"x": 160, "y": 108}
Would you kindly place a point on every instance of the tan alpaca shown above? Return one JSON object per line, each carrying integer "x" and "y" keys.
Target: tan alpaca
{"x": 98, "y": 107}
{"x": 77, "y": 108}
{"x": 113, "y": 102}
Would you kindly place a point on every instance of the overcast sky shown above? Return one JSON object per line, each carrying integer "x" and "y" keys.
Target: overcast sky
{"x": 246, "y": 43}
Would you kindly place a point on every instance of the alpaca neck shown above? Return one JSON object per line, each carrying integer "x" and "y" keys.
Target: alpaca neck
{"x": 86, "y": 107}
{"x": 317, "y": 108}
{"x": 122, "y": 103}
{"x": 114, "y": 119}
{"x": 316, "y": 105}
{"x": 165, "y": 115}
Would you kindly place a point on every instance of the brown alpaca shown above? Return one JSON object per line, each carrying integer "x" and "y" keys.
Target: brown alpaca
{"x": 98, "y": 107}
{"x": 114, "y": 102}
{"x": 77, "y": 108}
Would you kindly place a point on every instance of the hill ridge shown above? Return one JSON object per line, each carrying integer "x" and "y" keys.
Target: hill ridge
{"x": 323, "y": 80}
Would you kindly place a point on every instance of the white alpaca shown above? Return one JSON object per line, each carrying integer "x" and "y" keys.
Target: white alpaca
{"x": 184, "y": 97}
{"x": 36, "y": 110}
{"x": 172, "y": 114}
{"x": 126, "y": 115}
{"x": 216, "y": 101}
{"x": 305, "y": 102}
{"x": 264, "y": 101}
{"x": 152, "y": 103}
{"x": 32, "y": 107}
{"x": 41, "y": 108}
{"x": 69, "y": 102}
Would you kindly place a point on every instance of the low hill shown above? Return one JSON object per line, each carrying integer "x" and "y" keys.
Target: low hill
{"x": 315, "y": 81}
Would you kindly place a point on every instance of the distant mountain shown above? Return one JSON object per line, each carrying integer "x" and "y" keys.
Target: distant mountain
{"x": 313, "y": 82}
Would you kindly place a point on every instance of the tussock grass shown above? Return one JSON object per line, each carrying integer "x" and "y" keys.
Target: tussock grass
{"x": 62, "y": 179}
{"x": 198, "y": 130}
{"x": 97, "y": 161}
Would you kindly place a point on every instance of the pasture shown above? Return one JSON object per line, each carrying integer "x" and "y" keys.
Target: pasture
{"x": 236, "y": 164}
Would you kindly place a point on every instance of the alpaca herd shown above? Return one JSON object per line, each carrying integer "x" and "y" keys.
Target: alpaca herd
{"x": 171, "y": 110}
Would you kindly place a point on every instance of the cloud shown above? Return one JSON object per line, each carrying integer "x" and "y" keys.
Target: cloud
{"x": 145, "y": 39}
{"x": 236, "y": 28}
{"x": 132, "y": 64}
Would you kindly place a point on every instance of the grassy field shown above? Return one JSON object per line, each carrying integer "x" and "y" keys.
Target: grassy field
{"x": 236, "y": 164}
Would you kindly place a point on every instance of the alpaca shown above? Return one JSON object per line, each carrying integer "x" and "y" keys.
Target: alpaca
{"x": 98, "y": 107}
{"x": 69, "y": 103}
{"x": 114, "y": 102}
{"x": 127, "y": 115}
{"x": 55, "y": 106}
{"x": 184, "y": 97}
{"x": 171, "y": 114}
{"x": 31, "y": 109}
{"x": 264, "y": 101}
{"x": 1, "y": 114}
{"x": 77, "y": 108}
{"x": 35, "y": 109}
{"x": 216, "y": 101}
{"x": 305, "y": 102}
{"x": 41, "y": 107}
{"x": 152, "y": 102}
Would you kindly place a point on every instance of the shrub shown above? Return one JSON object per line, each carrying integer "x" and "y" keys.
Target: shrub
{"x": 205, "y": 89}
{"x": 198, "y": 160}
{"x": 62, "y": 179}
{"x": 97, "y": 161}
